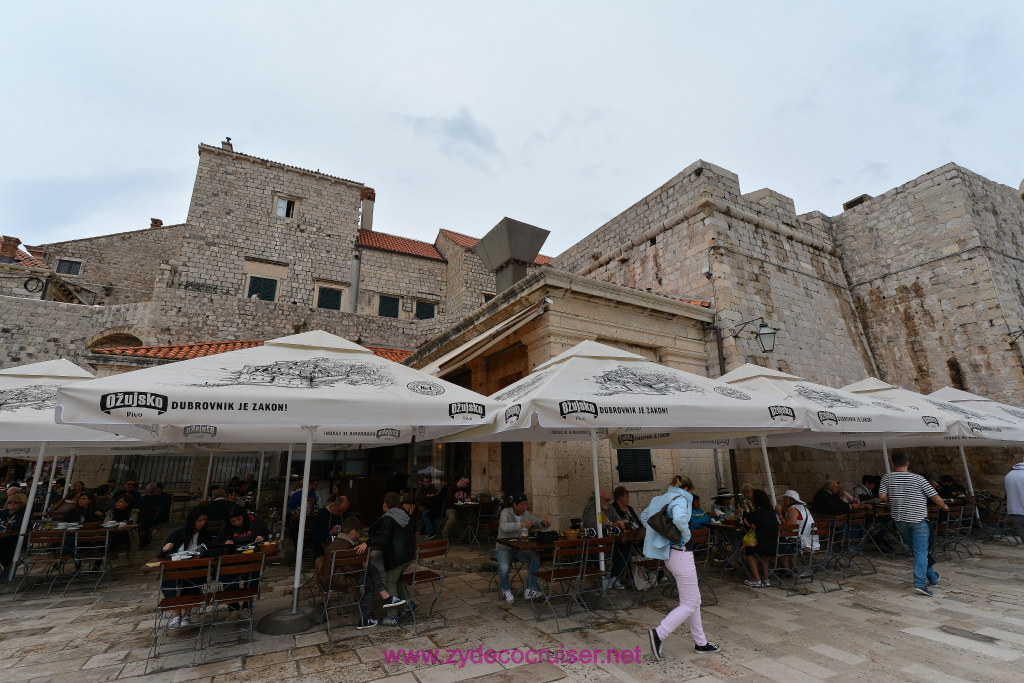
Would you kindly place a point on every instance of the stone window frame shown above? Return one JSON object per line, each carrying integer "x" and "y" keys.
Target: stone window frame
{"x": 486, "y": 297}
{"x": 330, "y": 285}
{"x": 275, "y": 280}
{"x": 398, "y": 310}
{"x": 60, "y": 260}
{"x": 416, "y": 304}
{"x": 291, "y": 202}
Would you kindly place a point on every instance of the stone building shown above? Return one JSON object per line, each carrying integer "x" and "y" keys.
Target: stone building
{"x": 921, "y": 286}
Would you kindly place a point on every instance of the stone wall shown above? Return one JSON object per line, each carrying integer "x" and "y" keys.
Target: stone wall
{"x": 13, "y": 277}
{"x": 467, "y": 278}
{"x": 408, "y": 277}
{"x": 118, "y": 268}
{"x": 32, "y": 331}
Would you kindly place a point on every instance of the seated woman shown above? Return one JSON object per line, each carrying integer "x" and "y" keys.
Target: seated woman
{"x": 621, "y": 514}
{"x": 84, "y": 510}
{"x": 149, "y": 507}
{"x": 699, "y": 519}
{"x": 11, "y": 517}
{"x": 190, "y": 537}
{"x": 241, "y": 529}
{"x": 794, "y": 511}
{"x": 123, "y": 513}
{"x": 766, "y": 523}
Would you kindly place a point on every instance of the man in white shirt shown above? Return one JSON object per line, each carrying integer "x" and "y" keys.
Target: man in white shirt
{"x": 1014, "y": 483}
{"x": 511, "y": 522}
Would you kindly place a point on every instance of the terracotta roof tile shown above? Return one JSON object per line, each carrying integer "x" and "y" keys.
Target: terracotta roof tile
{"x": 198, "y": 350}
{"x": 469, "y": 242}
{"x": 695, "y": 302}
{"x": 399, "y": 245}
{"x": 27, "y": 259}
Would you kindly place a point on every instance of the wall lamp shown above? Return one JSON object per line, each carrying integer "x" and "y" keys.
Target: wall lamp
{"x": 765, "y": 335}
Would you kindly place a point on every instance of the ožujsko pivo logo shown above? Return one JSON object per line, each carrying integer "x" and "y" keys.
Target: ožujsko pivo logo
{"x": 388, "y": 433}
{"x": 566, "y": 408}
{"x": 930, "y": 421}
{"x": 200, "y": 430}
{"x": 513, "y": 413}
{"x": 856, "y": 444}
{"x": 466, "y": 408}
{"x": 783, "y": 413}
{"x": 827, "y": 418}
{"x": 978, "y": 428}
{"x": 625, "y": 439}
{"x": 133, "y": 400}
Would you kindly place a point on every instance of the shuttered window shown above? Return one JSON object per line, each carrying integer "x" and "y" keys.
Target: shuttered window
{"x": 512, "y": 477}
{"x": 635, "y": 464}
{"x": 263, "y": 287}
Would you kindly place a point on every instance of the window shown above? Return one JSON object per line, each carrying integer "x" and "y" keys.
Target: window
{"x": 329, "y": 297}
{"x": 262, "y": 288}
{"x": 512, "y": 477}
{"x": 635, "y": 464}
{"x": 285, "y": 207}
{"x": 387, "y": 306}
{"x": 66, "y": 267}
{"x": 425, "y": 310}
{"x": 487, "y": 297}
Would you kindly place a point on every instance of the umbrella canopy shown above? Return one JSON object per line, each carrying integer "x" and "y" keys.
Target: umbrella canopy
{"x": 978, "y": 405}
{"x": 272, "y": 393}
{"x": 430, "y": 470}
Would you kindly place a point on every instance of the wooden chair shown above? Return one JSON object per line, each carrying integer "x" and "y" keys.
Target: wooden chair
{"x": 236, "y": 585}
{"x": 348, "y": 569}
{"x": 422, "y": 575}
{"x": 561, "y": 582}
{"x": 91, "y": 556}
{"x": 186, "y": 580}
{"x": 46, "y": 557}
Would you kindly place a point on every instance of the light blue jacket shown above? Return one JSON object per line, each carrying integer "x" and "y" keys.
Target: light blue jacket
{"x": 657, "y": 546}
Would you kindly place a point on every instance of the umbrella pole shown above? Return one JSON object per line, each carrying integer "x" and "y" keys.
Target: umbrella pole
{"x": 259, "y": 480}
{"x": 967, "y": 473}
{"x": 209, "y": 471}
{"x": 767, "y": 468}
{"x": 28, "y": 512}
{"x": 287, "y": 492}
{"x": 885, "y": 458}
{"x": 71, "y": 469}
{"x": 718, "y": 469}
{"x": 49, "y": 487}
{"x": 597, "y": 490}
{"x": 302, "y": 521}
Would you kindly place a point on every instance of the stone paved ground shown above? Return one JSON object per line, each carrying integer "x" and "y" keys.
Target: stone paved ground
{"x": 875, "y": 629}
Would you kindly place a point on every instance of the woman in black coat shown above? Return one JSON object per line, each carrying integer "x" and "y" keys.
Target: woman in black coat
{"x": 84, "y": 510}
{"x": 242, "y": 528}
{"x": 764, "y": 519}
{"x": 193, "y": 536}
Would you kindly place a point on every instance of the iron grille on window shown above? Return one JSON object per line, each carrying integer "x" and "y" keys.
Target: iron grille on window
{"x": 387, "y": 307}
{"x": 69, "y": 267}
{"x": 173, "y": 471}
{"x": 635, "y": 464}
{"x": 264, "y": 287}
{"x": 329, "y": 298}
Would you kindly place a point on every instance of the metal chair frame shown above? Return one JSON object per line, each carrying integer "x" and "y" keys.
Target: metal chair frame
{"x": 184, "y": 574}
{"x": 244, "y": 570}
{"x": 701, "y": 540}
{"x": 91, "y": 556}
{"x": 421, "y": 575}
{"x": 344, "y": 564}
{"x": 595, "y": 549}
{"x": 857, "y": 534}
{"x": 45, "y": 551}
{"x": 822, "y": 560}
{"x": 563, "y": 575}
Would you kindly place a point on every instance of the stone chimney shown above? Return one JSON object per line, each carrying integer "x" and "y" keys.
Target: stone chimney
{"x": 8, "y": 248}
{"x": 367, "y": 196}
{"x": 509, "y": 249}
{"x": 227, "y": 145}
{"x": 155, "y": 223}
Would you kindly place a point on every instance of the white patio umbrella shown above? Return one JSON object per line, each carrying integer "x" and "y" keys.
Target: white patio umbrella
{"x": 27, "y": 399}
{"x": 292, "y": 389}
{"x": 964, "y": 426}
{"x": 592, "y": 388}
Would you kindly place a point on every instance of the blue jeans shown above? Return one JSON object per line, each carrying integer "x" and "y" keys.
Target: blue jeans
{"x": 527, "y": 557}
{"x": 917, "y": 536}
{"x": 428, "y": 523}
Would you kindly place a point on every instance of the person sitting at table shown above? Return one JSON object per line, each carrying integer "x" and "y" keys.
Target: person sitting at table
{"x": 193, "y": 536}
{"x": 123, "y": 513}
{"x": 11, "y": 517}
{"x": 424, "y": 497}
{"x": 149, "y": 507}
{"x": 70, "y": 499}
{"x": 131, "y": 488}
{"x": 722, "y": 507}
{"x": 242, "y": 528}
{"x": 867, "y": 490}
{"x": 590, "y": 516}
{"x": 394, "y": 535}
{"x": 371, "y": 582}
{"x": 621, "y": 511}
{"x": 827, "y": 501}
{"x": 457, "y": 492}
{"x": 745, "y": 502}
{"x": 219, "y": 505}
{"x": 766, "y": 523}
{"x": 104, "y": 499}
{"x": 84, "y": 511}
{"x": 511, "y": 523}
{"x": 948, "y": 488}
{"x": 699, "y": 519}
{"x": 326, "y": 524}
{"x": 14, "y": 488}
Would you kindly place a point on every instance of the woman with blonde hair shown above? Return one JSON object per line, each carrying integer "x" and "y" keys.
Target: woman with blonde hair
{"x": 678, "y": 557}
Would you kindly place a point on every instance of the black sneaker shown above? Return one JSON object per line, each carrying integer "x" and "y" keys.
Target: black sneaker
{"x": 706, "y": 647}
{"x": 394, "y": 601}
{"x": 655, "y": 645}
{"x": 369, "y": 623}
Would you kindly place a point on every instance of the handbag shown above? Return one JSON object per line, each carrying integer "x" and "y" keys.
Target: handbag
{"x": 750, "y": 538}
{"x": 662, "y": 523}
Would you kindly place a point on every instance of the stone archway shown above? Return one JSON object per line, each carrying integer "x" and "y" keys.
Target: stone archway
{"x": 114, "y": 337}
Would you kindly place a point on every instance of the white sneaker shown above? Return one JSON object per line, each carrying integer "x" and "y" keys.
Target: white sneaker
{"x": 530, "y": 594}
{"x": 186, "y": 621}
{"x": 175, "y": 623}
{"x": 618, "y": 585}
{"x": 509, "y": 598}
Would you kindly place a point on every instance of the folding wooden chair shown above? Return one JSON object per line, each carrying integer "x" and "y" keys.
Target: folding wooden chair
{"x": 186, "y": 580}
{"x": 422, "y": 575}
{"x": 857, "y": 533}
{"x": 784, "y": 567}
{"x": 562, "y": 582}
{"x": 46, "y": 556}
{"x": 820, "y": 562}
{"x": 348, "y": 570}
{"x": 91, "y": 556}
{"x": 702, "y": 546}
{"x": 237, "y": 586}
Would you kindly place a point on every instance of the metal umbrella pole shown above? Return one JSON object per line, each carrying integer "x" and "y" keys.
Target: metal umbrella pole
{"x": 49, "y": 487}
{"x": 205, "y": 495}
{"x": 597, "y": 490}
{"x": 767, "y": 468}
{"x": 885, "y": 458}
{"x": 71, "y": 469}
{"x": 299, "y": 541}
{"x": 287, "y": 492}
{"x": 28, "y": 512}
{"x": 259, "y": 480}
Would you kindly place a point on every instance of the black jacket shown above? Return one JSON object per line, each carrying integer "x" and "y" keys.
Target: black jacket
{"x": 217, "y": 510}
{"x": 245, "y": 535}
{"x": 178, "y": 537}
{"x": 826, "y": 502}
{"x": 396, "y": 541}
{"x": 320, "y": 530}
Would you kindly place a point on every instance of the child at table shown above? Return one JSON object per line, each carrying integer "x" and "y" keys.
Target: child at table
{"x": 699, "y": 519}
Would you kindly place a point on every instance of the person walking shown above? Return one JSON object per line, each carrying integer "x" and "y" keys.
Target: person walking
{"x": 678, "y": 559}
{"x": 1014, "y": 482}
{"x": 907, "y": 495}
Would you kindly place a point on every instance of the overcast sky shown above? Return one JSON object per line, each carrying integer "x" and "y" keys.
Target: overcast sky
{"x": 559, "y": 114}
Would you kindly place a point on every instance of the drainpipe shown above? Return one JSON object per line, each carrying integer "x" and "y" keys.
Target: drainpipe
{"x": 357, "y": 261}
{"x": 721, "y": 371}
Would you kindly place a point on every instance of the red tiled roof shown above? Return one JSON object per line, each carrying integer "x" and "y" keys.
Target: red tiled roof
{"x": 27, "y": 259}
{"x": 398, "y": 245}
{"x": 396, "y": 355}
{"x": 695, "y": 302}
{"x": 469, "y": 242}
{"x": 187, "y": 351}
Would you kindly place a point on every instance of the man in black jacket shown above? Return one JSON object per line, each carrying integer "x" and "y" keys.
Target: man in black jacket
{"x": 327, "y": 523}
{"x": 394, "y": 535}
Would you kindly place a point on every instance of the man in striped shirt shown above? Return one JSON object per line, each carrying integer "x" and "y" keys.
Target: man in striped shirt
{"x": 907, "y": 495}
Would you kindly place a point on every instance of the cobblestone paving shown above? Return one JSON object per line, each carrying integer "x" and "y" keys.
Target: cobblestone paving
{"x": 877, "y": 628}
